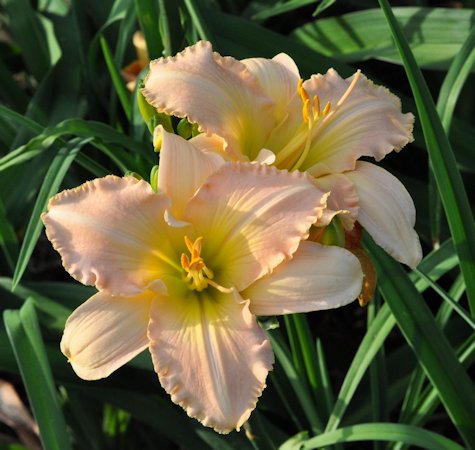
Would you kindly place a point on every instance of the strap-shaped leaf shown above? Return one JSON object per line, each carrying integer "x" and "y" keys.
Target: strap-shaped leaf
{"x": 26, "y": 341}
{"x": 382, "y": 432}
{"x": 50, "y": 186}
{"x": 451, "y": 188}
{"x": 431, "y": 347}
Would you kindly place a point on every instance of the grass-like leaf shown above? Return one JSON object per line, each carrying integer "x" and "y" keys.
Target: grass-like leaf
{"x": 378, "y": 376}
{"x": 451, "y": 189}
{"x": 33, "y": 43}
{"x": 447, "y": 298}
{"x": 374, "y": 338}
{"x": 455, "y": 79}
{"x": 198, "y": 20}
{"x": 390, "y": 432}
{"x": 80, "y": 128}
{"x": 428, "y": 400}
{"x": 170, "y": 27}
{"x": 10, "y": 91}
{"x": 117, "y": 80}
{"x": 8, "y": 239}
{"x": 438, "y": 263}
{"x": 50, "y": 186}
{"x": 147, "y": 14}
{"x": 448, "y": 96}
{"x": 324, "y": 376}
{"x": 435, "y": 35}
{"x": 281, "y": 8}
{"x": 25, "y": 338}
{"x": 310, "y": 361}
{"x": 300, "y": 387}
{"x": 432, "y": 349}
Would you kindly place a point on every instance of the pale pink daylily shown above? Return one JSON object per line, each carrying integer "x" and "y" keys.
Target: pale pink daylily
{"x": 183, "y": 271}
{"x": 261, "y": 110}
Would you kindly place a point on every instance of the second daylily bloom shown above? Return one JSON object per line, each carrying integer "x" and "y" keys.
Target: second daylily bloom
{"x": 183, "y": 271}
{"x": 260, "y": 109}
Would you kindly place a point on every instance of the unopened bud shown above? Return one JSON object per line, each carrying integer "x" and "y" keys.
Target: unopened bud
{"x": 334, "y": 233}
{"x": 154, "y": 178}
{"x": 150, "y": 115}
{"x": 131, "y": 173}
{"x": 184, "y": 129}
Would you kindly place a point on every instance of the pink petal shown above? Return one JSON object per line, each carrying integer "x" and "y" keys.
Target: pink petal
{"x": 252, "y": 217}
{"x": 218, "y": 93}
{"x": 318, "y": 277}
{"x": 183, "y": 169}
{"x": 387, "y": 212}
{"x": 279, "y": 78}
{"x": 110, "y": 233}
{"x": 365, "y": 120}
{"x": 343, "y": 199}
{"x": 210, "y": 144}
{"x": 105, "y": 333}
{"x": 211, "y": 356}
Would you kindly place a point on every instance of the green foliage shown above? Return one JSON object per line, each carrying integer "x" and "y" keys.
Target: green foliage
{"x": 396, "y": 374}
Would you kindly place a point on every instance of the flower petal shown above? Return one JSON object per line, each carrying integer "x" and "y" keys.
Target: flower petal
{"x": 387, "y": 212}
{"x": 210, "y": 144}
{"x": 210, "y": 355}
{"x": 109, "y": 233}
{"x": 218, "y": 93}
{"x": 252, "y": 217}
{"x": 365, "y": 120}
{"x": 183, "y": 169}
{"x": 105, "y": 333}
{"x": 343, "y": 199}
{"x": 318, "y": 277}
{"x": 278, "y": 78}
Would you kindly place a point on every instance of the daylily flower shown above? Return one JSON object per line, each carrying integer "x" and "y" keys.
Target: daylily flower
{"x": 260, "y": 109}
{"x": 132, "y": 70}
{"x": 185, "y": 270}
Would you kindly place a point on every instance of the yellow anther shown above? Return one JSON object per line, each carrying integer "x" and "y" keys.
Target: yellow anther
{"x": 316, "y": 107}
{"x": 185, "y": 261}
{"x": 196, "y": 272}
{"x": 296, "y": 151}
{"x": 302, "y": 92}
{"x": 197, "y": 246}
{"x": 305, "y": 110}
{"x": 189, "y": 244}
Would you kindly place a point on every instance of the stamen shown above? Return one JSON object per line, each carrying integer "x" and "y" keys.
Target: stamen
{"x": 189, "y": 244}
{"x": 185, "y": 261}
{"x": 301, "y": 143}
{"x": 350, "y": 88}
{"x": 302, "y": 92}
{"x": 326, "y": 109}
{"x": 197, "y": 274}
{"x": 305, "y": 110}
{"x": 316, "y": 107}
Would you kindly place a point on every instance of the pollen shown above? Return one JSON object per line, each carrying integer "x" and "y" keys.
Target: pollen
{"x": 196, "y": 273}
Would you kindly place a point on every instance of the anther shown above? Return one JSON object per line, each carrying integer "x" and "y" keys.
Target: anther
{"x": 302, "y": 92}
{"x": 196, "y": 272}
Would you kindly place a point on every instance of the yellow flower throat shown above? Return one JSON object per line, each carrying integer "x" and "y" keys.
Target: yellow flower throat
{"x": 196, "y": 273}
